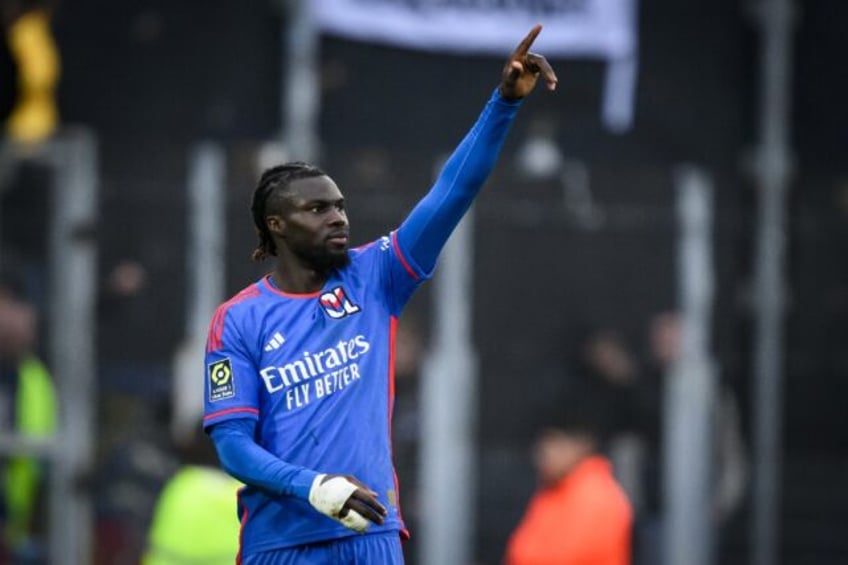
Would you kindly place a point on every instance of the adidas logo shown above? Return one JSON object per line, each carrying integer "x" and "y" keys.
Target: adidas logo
{"x": 275, "y": 342}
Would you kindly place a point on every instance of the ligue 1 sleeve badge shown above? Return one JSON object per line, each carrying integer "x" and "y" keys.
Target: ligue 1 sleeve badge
{"x": 221, "y": 380}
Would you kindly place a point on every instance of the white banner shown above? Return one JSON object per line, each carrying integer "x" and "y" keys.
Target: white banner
{"x": 601, "y": 29}
{"x": 591, "y": 28}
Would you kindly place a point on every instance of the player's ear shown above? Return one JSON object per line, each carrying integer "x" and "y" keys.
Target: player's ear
{"x": 275, "y": 224}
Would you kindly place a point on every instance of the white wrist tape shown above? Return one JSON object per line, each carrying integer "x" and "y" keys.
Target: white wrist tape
{"x": 329, "y": 498}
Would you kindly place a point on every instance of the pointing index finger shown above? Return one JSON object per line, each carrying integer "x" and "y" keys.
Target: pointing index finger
{"x": 524, "y": 47}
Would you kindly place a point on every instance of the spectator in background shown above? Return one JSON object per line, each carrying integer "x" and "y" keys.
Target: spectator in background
{"x": 135, "y": 454}
{"x": 607, "y": 376}
{"x": 194, "y": 520}
{"x": 129, "y": 478}
{"x": 729, "y": 452}
{"x": 729, "y": 449}
{"x": 609, "y": 381}
{"x": 580, "y": 515}
{"x": 28, "y": 408}
{"x": 663, "y": 346}
{"x": 133, "y": 354}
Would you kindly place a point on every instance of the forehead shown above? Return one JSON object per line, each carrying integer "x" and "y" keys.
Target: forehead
{"x": 555, "y": 437}
{"x": 314, "y": 188}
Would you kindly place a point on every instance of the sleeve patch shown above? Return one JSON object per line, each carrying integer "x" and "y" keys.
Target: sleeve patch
{"x": 221, "y": 385}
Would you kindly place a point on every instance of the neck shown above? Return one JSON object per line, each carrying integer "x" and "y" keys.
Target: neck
{"x": 567, "y": 467}
{"x": 297, "y": 279}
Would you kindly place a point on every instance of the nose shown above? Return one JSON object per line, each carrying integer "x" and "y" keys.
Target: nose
{"x": 337, "y": 217}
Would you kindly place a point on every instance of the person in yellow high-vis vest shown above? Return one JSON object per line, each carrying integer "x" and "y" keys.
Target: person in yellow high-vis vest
{"x": 195, "y": 520}
{"x": 35, "y": 418}
{"x": 29, "y": 405}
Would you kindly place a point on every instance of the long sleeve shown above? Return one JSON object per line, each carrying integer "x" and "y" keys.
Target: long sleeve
{"x": 425, "y": 231}
{"x": 248, "y": 462}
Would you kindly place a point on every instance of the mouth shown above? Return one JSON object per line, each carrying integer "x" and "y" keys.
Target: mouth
{"x": 339, "y": 239}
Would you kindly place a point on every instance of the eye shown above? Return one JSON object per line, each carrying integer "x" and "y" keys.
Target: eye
{"x": 317, "y": 208}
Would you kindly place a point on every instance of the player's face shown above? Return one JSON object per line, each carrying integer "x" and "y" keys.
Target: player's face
{"x": 314, "y": 223}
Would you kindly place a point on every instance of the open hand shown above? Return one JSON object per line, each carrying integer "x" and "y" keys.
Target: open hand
{"x": 523, "y": 69}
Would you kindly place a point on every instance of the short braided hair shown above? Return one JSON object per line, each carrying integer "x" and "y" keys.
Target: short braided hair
{"x": 275, "y": 180}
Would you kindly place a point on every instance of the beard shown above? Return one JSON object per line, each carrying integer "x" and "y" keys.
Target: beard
{"x": 322, "y": 260}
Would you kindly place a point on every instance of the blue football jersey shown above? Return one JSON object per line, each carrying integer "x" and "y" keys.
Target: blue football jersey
{"x": 316, "y": 372}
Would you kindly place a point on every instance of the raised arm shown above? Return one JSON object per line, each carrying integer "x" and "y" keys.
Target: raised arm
{"x": 424, "y": 232}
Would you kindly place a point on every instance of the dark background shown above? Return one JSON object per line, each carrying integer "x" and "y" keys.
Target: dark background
{"x": 154, "y": 77}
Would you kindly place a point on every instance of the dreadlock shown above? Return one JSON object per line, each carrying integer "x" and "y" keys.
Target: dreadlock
{"x": 274, "y": 181}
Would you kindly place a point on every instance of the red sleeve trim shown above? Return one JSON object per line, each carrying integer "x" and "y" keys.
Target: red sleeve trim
{"x": 214, "y": 340}
{"x": 245, "y": 515}
{"x": 403, "y": 260}
{"x": 393, "y": 324}
{"x": 220, "y": 413}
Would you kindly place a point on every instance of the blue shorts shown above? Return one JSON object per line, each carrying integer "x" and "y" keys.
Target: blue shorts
{"x": 370, "y": 549}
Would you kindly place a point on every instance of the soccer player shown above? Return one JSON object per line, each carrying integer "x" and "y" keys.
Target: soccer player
{"x": 299, "y": 384}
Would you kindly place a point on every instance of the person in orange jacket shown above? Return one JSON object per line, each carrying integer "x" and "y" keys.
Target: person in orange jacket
{"x": 580, "y": 515}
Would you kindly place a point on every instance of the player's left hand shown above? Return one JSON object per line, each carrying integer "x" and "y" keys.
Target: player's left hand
{"x": 347, "y": 500}
{"x": 524, "y": 68}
